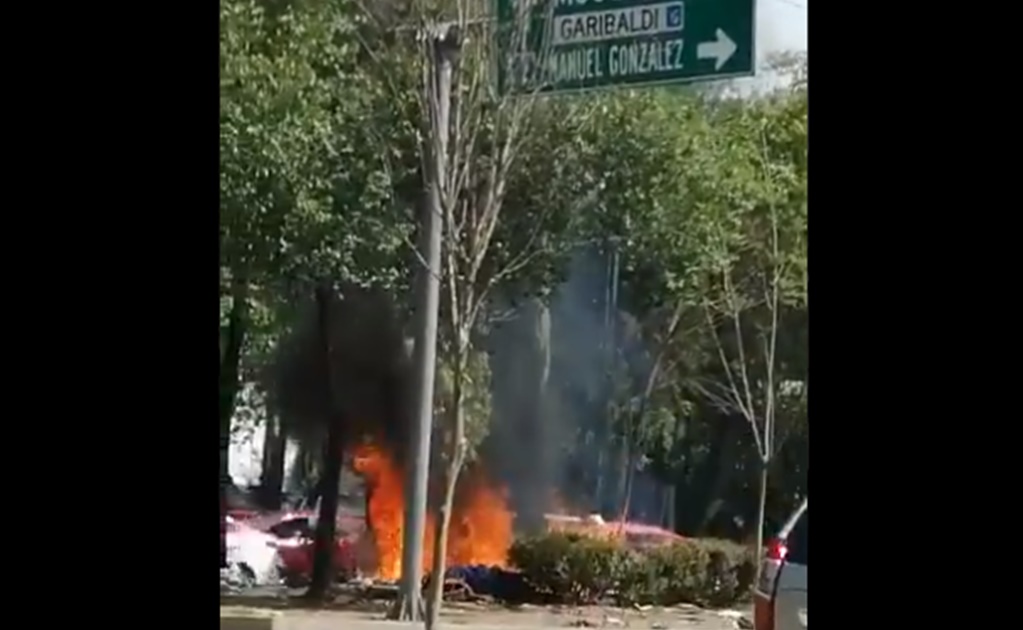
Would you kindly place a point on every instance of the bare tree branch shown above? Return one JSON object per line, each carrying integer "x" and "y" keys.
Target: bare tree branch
{"x": 734, "y": 397}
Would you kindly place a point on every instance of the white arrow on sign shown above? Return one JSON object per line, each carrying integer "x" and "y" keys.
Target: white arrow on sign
{"x": 721, "y": 49}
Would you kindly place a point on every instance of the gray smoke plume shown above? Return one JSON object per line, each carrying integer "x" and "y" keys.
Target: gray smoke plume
{"x": 518, "y": 449}
{"x": 551, "y": 433}
{"x": 545, "y": 361}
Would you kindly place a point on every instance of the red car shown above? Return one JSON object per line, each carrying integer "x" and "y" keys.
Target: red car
{"x": 635, "y": 534}
{"x": 294, "y": 533}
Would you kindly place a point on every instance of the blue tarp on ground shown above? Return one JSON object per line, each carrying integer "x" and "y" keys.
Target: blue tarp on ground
{"x": 493, "y": 581}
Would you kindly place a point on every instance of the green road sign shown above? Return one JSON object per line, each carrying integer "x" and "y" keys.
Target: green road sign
{"x": 585, "y": 44}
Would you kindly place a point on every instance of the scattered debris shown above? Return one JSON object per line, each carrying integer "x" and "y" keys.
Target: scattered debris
{"x": 738, "y": 618}
{"x": 362, "y": 581}
{"x": 456, "y": 589}
{"x": 687, "y": 607}
{"x": 481, "y": 580}
{"x": 378, "y": 590}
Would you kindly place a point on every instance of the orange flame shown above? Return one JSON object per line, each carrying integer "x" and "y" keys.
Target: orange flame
{"x": 481, "y": 525}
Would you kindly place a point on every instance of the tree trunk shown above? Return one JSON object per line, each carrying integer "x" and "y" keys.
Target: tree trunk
{"x": 629, "y": 475}
{"x": 722, "y": 468}
{"x": 326, "y": 524}
{"x": 668, "y": 507}
{"x": 271, "y": 479}
{"x": 633, "y": 428}
{"x": 537, "y": 473}
{"x": 676, "y": 475}
{"x": 598, "y": 490}
{"x": 622, "y": 474}
{"x": 435, "y": 597}
{"x": 304, "y": 471}
{"x": 440, "y": 549}
{"x": 761, "y": 505}
{"x": 231, "y": 357}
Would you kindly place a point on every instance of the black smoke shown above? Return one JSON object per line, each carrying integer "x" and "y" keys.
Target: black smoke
{"x": 368, "y": 372}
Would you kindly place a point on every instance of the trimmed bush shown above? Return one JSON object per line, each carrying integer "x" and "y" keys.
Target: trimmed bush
{"x": 731, "y": 569}
{"x": 665, "y": 575}
{"x": 569, "y": 568}
{"x": 577, "y": 569}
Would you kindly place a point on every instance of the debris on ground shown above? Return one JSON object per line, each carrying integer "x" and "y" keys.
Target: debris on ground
{"x": 491, "y": 581}
{"x": 739, "y": 619}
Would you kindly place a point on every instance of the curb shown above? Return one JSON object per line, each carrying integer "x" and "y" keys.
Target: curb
{"x": 242, "y": 619}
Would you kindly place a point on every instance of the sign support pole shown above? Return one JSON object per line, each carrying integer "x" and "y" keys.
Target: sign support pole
{"x": 444, "y": 43}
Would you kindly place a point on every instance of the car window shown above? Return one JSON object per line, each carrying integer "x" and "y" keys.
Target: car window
{"x": 291, "y": 528}
{"x": 798, "y": 538}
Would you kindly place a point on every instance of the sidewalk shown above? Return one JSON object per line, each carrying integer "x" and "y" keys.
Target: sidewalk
{"x": 534, "y": 618}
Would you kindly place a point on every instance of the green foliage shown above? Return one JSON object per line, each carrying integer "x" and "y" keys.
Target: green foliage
{"x": 691, "y": 190}
{"x": 549, "y": 194}
{"x": 475, "y": 401}
{"x": 577, "y": 569}
{"x": 658, "y": 166}
{"x": 321, "y": 128}
{"x": 730, "y": 571}
{"x": 569, "y": 568}
{"x": 305, "y": 191}
{"x": 665, "y": 575}
{"x": 275, "y": 118}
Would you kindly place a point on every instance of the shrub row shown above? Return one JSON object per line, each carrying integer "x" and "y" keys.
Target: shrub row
{"x": 572, "y": 568}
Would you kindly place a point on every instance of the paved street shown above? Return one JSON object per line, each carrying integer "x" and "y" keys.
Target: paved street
{"x": 530, "y": 618}
{"x": 330, "y": 621}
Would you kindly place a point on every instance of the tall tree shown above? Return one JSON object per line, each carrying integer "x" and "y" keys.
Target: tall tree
{"x": 267, "y": 131}
{"x": 305, "y": 196}
{"x": 686, "y": 187}
{"x": 658, "y": 166}
{"x": 481, "y": 146}
{"x": 760, "y": 274}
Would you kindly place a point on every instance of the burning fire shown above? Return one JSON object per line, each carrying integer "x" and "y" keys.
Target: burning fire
{"x": 481, "y": 525}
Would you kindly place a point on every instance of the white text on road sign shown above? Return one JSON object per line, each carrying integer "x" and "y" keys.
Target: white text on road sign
{"x": 594, "y": 26}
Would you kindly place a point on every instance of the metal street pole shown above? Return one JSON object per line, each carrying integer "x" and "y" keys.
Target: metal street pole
{"x": 444, "y": 43}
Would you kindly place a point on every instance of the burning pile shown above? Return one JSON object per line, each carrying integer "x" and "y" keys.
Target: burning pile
{"x": 481, "y": 525}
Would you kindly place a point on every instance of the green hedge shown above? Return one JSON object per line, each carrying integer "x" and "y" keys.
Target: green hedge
{"x": 576, "y": 569}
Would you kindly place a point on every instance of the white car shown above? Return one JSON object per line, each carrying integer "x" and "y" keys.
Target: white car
{"x": 251, "y": 554}
{"x": 779, "y": 599}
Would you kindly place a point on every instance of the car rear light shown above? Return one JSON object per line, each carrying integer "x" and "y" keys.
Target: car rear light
{"x": 777, "y": 550}
{"x": 763, "y": 601}
{"x": 773, "y": 558}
